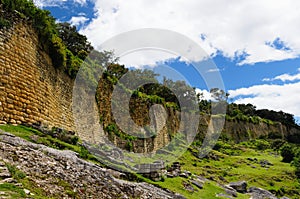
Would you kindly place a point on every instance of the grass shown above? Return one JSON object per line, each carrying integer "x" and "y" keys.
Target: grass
{"x": 16, "y": 173}
{"x": 279, "y": 178}
{"x": 35, "y": 136}
{"x": 12, "y": 191}
{"x": 38, "y": 137}
{"x": 231, "y": 163}
{"x": 209, "y": 190}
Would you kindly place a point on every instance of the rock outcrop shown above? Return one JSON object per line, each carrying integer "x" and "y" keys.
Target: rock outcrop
{"x": 47, "y": 168}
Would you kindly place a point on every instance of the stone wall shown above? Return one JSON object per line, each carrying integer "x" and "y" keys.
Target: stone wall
{"x": 32, "y": 90}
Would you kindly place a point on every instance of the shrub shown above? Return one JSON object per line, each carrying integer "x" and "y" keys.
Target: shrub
{"x": 287, "y": 153}
{"x": 262, "y": 144}
{"x": 58, "y": 52}
{"x": 74, "y": 140}
{"x": 296, "y": 163}
{"x": 83, "y": 152}
{"x": 129, "y": 146}
{"x": 277, "y": 144}
{"x": 4, "y": 23}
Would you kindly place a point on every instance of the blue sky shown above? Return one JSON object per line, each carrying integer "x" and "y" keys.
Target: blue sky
{"x": 254, "y": 44}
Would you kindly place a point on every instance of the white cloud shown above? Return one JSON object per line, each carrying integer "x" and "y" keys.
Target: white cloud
{"x": 149, "y": 57}
{"x": 284, "y": 77}
{"x": 238, "y": 26}
{"x": 53, "y": 3}
{"x": 275, "y": 97}
{"x": 206, "y": 94}
{"x": 213, "y": 70}
{"x": 79, "y": 20}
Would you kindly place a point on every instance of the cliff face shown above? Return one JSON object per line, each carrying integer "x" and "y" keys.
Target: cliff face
{"x": 32, "y": 90}
{"x": 242, "y": 130}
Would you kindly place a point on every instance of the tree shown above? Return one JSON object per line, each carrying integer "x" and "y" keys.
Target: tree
{"x": 75, "y": 42}
{"x": 284, "y": 118}
{"x": 219, "y": 94}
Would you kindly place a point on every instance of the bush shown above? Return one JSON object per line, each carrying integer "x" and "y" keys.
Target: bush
{"x": 287, "y": 153}
{"x": 262, "y": 144}
{"x": 277, "y": 144}
{"x": 58, "y": 52}
{"x": 4, "y": 23}
{"x": 83, "y": 152}
{"x": 129, "y": 146}
{"x": 296, "y": 163}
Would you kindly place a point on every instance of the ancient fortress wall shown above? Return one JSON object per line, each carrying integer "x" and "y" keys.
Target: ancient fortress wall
{"x": 32, "y": 90}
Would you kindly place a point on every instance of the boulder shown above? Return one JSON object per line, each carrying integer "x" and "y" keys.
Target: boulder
{"x": 240, "y": 186}
{"x": 258, "y": 193}
{"x": 230, "y": 191}
{"x": 224, "y": 196}
{"x": 197, "y": 184}
{"x": 265, "y": 163}
{"x": 188, "y": 187}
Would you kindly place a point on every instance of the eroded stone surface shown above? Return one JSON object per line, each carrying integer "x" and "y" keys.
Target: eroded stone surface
{"x": 46, "y": 167}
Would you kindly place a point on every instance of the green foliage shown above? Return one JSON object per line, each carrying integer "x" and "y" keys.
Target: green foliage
{"x": 57, "y": 52}
{"x": 83, "y": 153}
{"x": 248, "y": 112}
{"x": 262, "y": 144}
{"x": 53, "y": 141}
{"x": 129, "y": 146}
{"x": 296, "y": 162}
{"x": 277, "y": 144}
{"x": 226, "y": 148}
{"x": 43, "y": 23}
{"x": 75, "y": 42}
{"x": 279, "y": 116}
{"x": 73, "y": 64}
{"x": 16, "y": 174}
{"x": 4, "y": 22}
{"x": 66, "y": 47}
{"x": 112, "y": 129}
{"x": 13, "y": 190}
{"x": 74, "y": 140}
{"x": 287, "y": 153}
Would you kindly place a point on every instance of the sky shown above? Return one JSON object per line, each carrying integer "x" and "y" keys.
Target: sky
{"x": 254, "y": 44}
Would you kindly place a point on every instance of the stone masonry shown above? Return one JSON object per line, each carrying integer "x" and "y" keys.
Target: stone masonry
{"x": 32, "y": 90}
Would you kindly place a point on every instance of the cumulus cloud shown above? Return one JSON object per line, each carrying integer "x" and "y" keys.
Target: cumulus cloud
{"x": 140, "y": 58}
{"x": 216, "y": 25}
{"x": 275, "y": 97}
{"x": 78, "y": 20}
{"x": 284, "y": 77}
{"x": 206, "y": 94}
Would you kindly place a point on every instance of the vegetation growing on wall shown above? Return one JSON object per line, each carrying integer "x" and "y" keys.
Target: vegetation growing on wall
{"x": 66, "y": 47}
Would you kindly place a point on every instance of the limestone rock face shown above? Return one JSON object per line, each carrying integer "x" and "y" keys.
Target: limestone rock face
{"x": 46, "y": 167}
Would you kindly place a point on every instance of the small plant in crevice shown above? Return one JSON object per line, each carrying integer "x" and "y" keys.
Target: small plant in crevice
{"x": 16, "y": 174}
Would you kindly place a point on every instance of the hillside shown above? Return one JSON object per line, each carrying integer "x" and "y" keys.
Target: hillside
{"x": 42, "y": 166}
{"x": 45, "y": 155}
